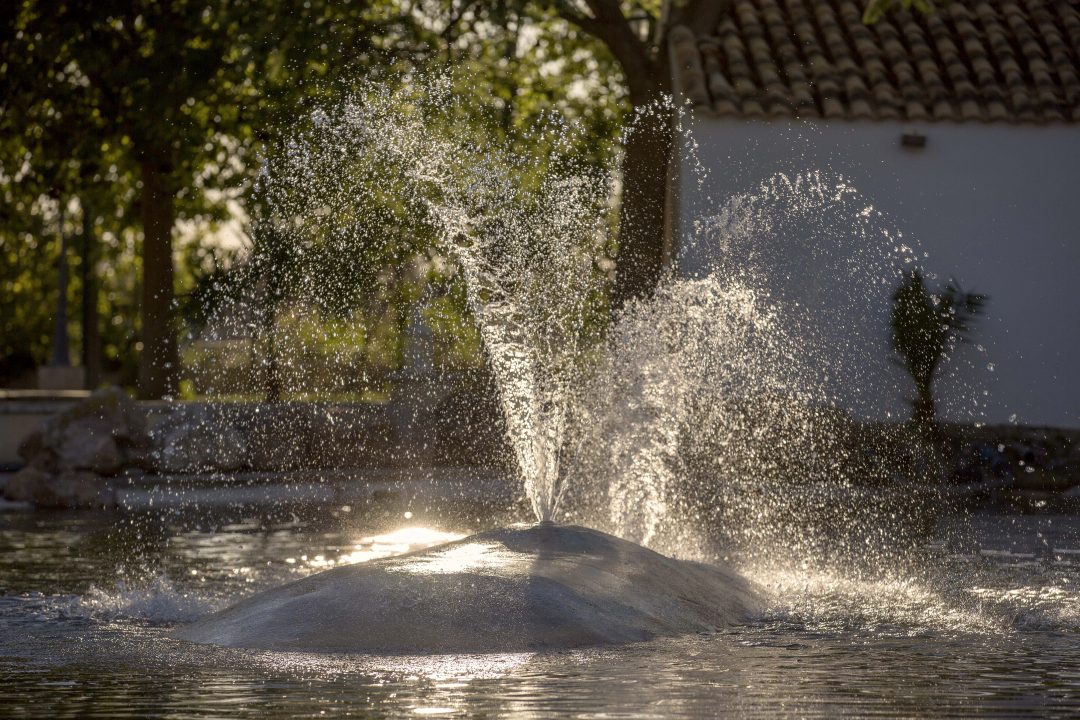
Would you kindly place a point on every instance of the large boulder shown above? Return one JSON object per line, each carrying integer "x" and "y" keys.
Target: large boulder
{"x": 92, "y": 435}
{"x": 301, "y": 436}
{"x": 515, "y": 589}
{"x": 69, "y": 458}
{"x": 469, "y": 425}
{"x": 280, "y": 437}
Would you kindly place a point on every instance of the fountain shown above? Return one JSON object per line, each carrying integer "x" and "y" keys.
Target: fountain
{"x": 528, "y": 238}
{"x": 699, "y": 426}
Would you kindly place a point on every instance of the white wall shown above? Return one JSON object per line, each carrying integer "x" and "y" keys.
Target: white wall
{"x": 996, "y": 206}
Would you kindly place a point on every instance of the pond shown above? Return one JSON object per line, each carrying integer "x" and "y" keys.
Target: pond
{"x": 989, "y": 626}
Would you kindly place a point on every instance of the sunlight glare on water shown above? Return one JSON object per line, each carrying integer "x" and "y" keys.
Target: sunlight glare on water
{"x": 468, "y": 557}
{"x": 397, "y": 542}
{"x": 974, "y": 631}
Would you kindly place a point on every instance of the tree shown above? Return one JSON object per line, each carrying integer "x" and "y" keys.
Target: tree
{"x": 926, "y": 329}
{"x": 61, "y": 137}
{"x": 627, "y": 38}
{"x": 636, "y": 35}
{"x": 177, "y": 91}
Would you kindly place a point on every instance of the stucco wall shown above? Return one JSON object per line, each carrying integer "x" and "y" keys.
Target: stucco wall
{"x": 996, "y": 206}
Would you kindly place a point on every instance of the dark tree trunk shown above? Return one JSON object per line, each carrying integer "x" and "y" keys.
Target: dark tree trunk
{"x": 646, "y": 153}
{"x": 158, "y": 361}
{"x": 923, "y": 411}
{"x": 643, "y": 242}
{"x": 642, "y": 224}
{"x": 91, "y": 336}
{"x": 60, "y": 353}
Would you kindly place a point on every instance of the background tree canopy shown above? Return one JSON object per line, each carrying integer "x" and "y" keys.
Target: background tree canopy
{"x": 134, "y": 129}
{"x": 128, "y": 125}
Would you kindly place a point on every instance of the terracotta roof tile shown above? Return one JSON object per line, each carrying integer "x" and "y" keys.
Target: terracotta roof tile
{"x": 1014, "y": 61}
{"x": 689, "y": 69}
{"x": 971, "y": 111}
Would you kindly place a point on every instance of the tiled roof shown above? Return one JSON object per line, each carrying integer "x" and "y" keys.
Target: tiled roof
{"x": 1014, "y": 61}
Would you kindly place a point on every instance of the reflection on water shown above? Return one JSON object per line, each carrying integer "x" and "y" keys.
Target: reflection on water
{"x": 397, "y": 542}
{"x": 472, "y": 556}
{"x": 990, "y": 625}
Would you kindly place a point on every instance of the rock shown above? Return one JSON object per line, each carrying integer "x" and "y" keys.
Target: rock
{"x": 196, "y": 438}
{"x": 470, "y": 426}
{"x": 90, "y": 436}
{"x": 140, "y": 459}
{"x": 81, "y": 489}
{"x": 68, "y": 457}
{"x": 67, "y": 489}
{"x": 32, "y": 446}
{"x": 347, "y": 437}
{"x": 514, "y": 589}
{"x": 109, "y": 408}
{"x": 89, "y": 446}
{"x": 26, "y": 484}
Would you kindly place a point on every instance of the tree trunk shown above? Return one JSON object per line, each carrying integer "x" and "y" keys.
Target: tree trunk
{"x": 60, "y": 354}
{"x": 91, "y": 336}
{"x": 642, "y": 225}
{"x": 158, "y": 361}
{"x": 649, "y": 143}
{"x": 923, "y": 410}
{"x": 645, "y": 63}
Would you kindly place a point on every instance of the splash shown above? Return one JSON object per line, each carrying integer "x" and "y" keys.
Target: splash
{"x": 156, "y": 599}
{"x": 712, "y": 408}
{"x": 526, "y": 231}
{"x": 728, "y": 414}
{"x": 675, "y": 385}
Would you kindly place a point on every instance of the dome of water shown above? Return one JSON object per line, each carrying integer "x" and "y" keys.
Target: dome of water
{"x": 522, "y": 588}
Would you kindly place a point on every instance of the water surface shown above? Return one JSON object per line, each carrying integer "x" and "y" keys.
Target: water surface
{"x": 990, "y": 626}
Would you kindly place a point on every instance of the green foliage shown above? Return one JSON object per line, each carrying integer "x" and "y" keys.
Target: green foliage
{"x": 88, "y": 91}
{"x": 355, "y": 214}
{"x": 29, "y": 250}
{"x": 926, "y": 328}
{"x": 25, "y": 326}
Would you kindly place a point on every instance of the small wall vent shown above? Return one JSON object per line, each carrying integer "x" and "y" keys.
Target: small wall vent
{"x": 913, "y": 139}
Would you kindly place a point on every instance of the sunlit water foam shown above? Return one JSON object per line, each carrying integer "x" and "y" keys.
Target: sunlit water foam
{"x": 712, "y": 425}
{"x": 156, "y": 600}
{"x": 821, "y": 600}
{"x": 717, "y": 397}
{"x": 993, "y": 593}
